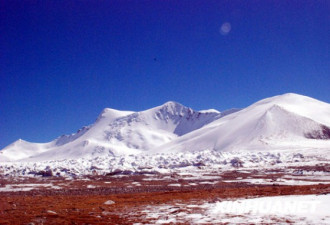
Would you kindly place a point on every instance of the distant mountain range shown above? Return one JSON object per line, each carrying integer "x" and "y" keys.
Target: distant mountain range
{"x": 288, "y": 121}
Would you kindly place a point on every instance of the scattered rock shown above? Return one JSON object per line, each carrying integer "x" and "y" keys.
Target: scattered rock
{"x": 119, "y": 172}
{"x": 199, "y": 164}
{"x": 51, "y": 212}
{"x": 45, "y": 173}
{"x": 236, "y": 162}
{"x": 109, "y": 202}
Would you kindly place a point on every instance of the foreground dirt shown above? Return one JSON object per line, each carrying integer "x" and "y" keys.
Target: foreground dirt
{"x": 82, "y": 201}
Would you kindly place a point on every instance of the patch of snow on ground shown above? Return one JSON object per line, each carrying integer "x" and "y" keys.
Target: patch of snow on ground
{"x": 293, "y": 209}
{"x": 26, "y": 187}
{"x": 310, "y": 209}
{"x": 174, "y": 185}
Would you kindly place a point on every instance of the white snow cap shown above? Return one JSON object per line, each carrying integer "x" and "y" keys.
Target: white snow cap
{"x": 209, "y": 111}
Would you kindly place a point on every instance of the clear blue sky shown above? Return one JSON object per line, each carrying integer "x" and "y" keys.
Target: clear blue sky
{"x": 62, "y": 62}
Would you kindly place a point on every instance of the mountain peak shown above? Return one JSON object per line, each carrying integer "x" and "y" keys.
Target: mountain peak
{"x": 287, "y": 99}
{"x": 209, "y": 111}
{"x": 172, "y": 108}
{"x": 291, "y": 94}
{"x": 172, "y": 104}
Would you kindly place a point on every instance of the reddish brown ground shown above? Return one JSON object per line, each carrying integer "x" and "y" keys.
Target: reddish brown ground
{"x": 74, "y": 203}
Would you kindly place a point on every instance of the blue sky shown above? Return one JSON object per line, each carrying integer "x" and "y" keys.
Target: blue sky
{"x": 62, "y": 62}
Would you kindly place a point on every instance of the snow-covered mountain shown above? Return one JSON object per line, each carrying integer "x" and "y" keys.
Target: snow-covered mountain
{"x": 117, "y": 132}
{"x": 288, "y": 121}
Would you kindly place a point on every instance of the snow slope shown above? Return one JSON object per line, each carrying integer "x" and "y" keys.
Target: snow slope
{"x": 288, "y": 121}
{"x": 116, "y": 132}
